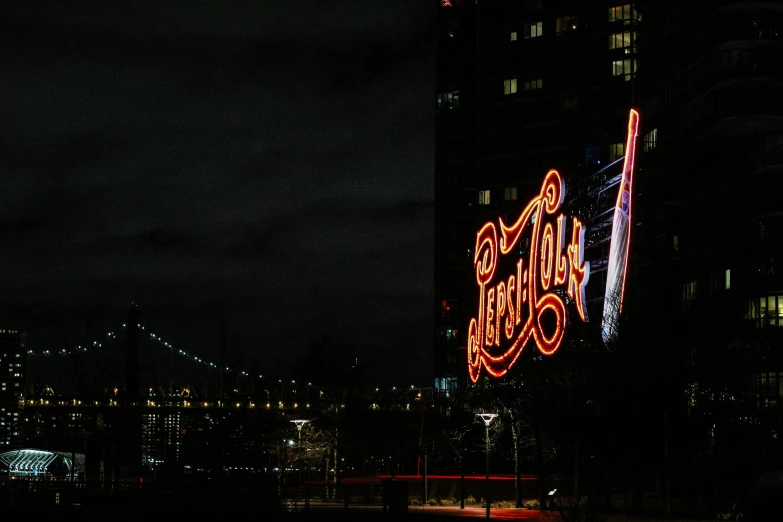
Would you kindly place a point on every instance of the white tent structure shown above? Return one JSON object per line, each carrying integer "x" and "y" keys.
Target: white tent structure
{"x": 34, "y": 462}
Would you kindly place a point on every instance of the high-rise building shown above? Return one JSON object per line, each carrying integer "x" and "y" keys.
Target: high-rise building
{"x": 455, "y": 167}
{"x": 161, "y": 440}
{"x": 712, "y": 160}
{"x": 524, "y": 86}
{"x": 13, "y": 353}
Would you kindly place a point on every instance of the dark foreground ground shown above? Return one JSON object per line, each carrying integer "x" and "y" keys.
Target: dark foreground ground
{"x": 368, "y": 514}
{"x": 224, "y": 501}
{"x": 122, "y": 515}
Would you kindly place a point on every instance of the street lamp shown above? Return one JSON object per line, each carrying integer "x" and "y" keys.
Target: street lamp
{"x": 487, "y": 418}
{"x": 299, "y": 425}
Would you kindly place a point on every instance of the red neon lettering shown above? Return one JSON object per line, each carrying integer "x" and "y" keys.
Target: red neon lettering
{"x": 551, "y": 263}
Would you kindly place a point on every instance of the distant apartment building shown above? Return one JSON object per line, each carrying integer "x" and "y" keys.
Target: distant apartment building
{"x": 13, "y": 352}
{"x": 161, "y": 439}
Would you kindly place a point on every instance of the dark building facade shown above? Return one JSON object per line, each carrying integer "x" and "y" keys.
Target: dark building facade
{"x": 712, "y": 83}
{"x": 549, "y": 85}
{"x": 542, "y": 85}
{"x": 455, "y": 166}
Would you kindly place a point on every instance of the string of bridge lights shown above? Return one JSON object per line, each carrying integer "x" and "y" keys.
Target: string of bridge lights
{"x": 161, "y": 342}
{"x": 154, "y": 337}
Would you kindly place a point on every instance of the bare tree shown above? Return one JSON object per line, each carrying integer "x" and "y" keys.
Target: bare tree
{"x": 327, "y": 366}
{"x": 276, "y": 444}
{"x": 320, "y": 446}
{"x": 522, "y": 405}
{"x": 457, "y": 440}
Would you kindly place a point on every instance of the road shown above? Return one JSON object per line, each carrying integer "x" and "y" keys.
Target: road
{"x": 478, "y": 512}
{"x": 434, "y": 513}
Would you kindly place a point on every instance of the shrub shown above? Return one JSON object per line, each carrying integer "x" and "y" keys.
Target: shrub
{"x": 531, "y": 504}
{"x": 570, "y": 510}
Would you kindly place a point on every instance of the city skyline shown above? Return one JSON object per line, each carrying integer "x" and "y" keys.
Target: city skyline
{"x": 306, "y": 257}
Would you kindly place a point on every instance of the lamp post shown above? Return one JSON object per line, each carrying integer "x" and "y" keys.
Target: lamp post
{"x": 487, "y": 418}
{"x": 299, "y": 425}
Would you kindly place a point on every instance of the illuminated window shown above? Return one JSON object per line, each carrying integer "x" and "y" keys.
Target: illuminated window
{"x": 766, "y": 311}
{"x": 513, "y": 36}
{"x": 570, "y": 103}
{"x": 451, "y": 334}
{"x": 445, "y": 385}
{"x": 651, "y": 140}
{"x": 483, "y": 197}
{"x": 565, "y": 24}
{"x": 688, "y": 294}
{"x": 622, "y": 40}
{"x": 510, "y": 194}
{"x": 623, "y": 13}
{"x": 510, "y": 86}
{"x": 533, "y": 30}
{"x": 533, "y": 85}
{"x": 770, "y": 388}
{"x": 448, "y": 100}
{"x": 676, "y": 242}
{"x": 625, "y": 68}
{"x": 728, "y": 279}
{"x": 773, "y": 310}
{"x": 615, "y": 151}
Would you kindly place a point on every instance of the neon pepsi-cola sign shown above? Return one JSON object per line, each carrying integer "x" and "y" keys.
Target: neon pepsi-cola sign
{"x": 525, "y": 303}
{"x": 523, "y": 291}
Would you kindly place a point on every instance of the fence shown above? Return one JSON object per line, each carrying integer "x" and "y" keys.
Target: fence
{"x": 257, "y": 492}
{"x": 323, "y": 496}
{"x": 389, "y": 496}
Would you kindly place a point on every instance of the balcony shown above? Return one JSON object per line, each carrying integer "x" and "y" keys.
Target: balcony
{"x": 736, "y": 107}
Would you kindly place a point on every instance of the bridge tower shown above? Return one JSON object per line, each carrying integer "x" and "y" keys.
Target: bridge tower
{"x": 132, "y": 356}
{"x": 130, "y": 437}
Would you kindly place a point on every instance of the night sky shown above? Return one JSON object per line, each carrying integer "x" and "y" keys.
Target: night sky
{"x": 268, "y": 163}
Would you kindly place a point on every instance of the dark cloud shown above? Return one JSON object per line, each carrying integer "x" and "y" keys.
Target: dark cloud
{"x": 266, "y": 161}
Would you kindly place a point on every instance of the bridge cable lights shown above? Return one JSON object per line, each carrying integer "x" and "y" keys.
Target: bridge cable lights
{"x": 168, "y": 346}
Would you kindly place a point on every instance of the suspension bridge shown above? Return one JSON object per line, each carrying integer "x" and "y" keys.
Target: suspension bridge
{"x": 101, "y": 373}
